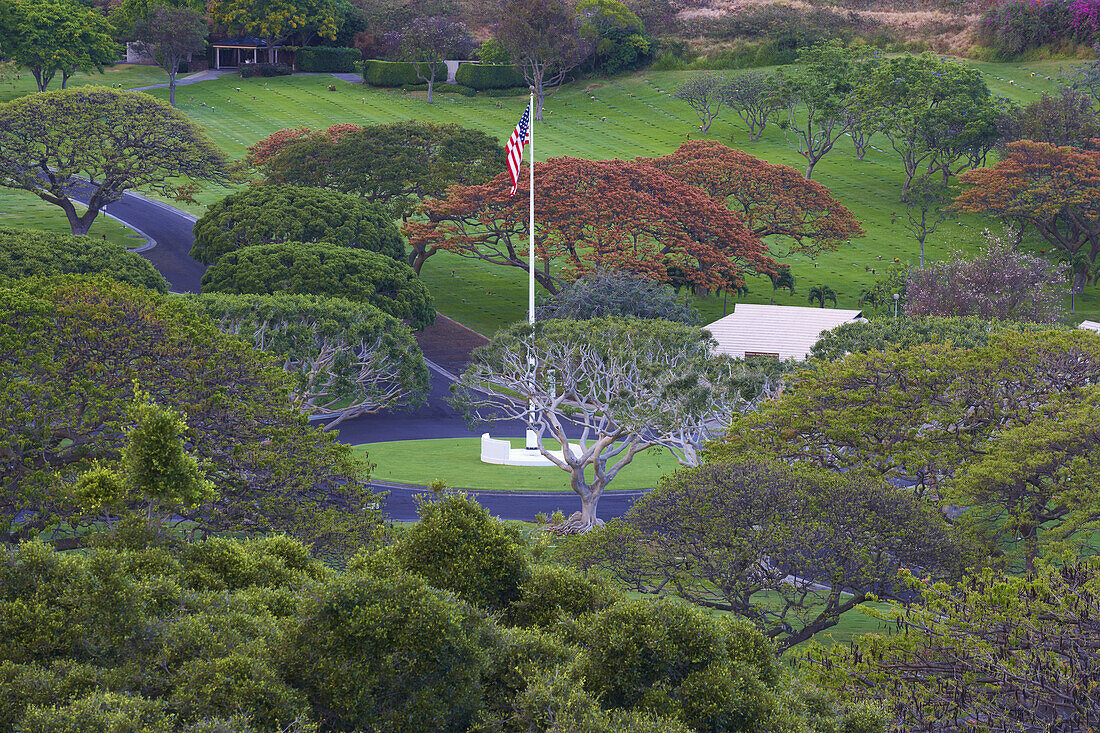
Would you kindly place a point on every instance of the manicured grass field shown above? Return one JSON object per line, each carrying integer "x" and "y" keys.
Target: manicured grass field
{"x": 21, "y": 209}
{"x": 122, "y": 76}
{"x": 457, "y": 461}
{"x": 622, "y": 117}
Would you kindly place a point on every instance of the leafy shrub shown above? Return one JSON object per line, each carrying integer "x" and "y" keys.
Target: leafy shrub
{"x": 1016, "y": 26}
{"x": 27, "y": 252}
{"x": 493, "y": 52}
{"x": 105, "y": 712}
{"x": 605, "y": 294}
{"x": 296, "y": 268}
{"x": 394, "y": 73}
{"x": 272, "y": 214}
{"x": 509, "y": 92}
{"x": 387, "y": 654}
{"x": 248, "y": 71}
{"x": 554, "y": 591}
{"x": 490, "y": 76}
{"x": 457, "y": 546}
{"x": 327, "y": 58}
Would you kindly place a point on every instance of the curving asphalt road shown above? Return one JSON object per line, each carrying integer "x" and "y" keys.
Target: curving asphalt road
{"x": 170, "y": 228}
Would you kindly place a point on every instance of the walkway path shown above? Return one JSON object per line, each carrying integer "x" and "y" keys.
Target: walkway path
{"x": 183, "y": 81}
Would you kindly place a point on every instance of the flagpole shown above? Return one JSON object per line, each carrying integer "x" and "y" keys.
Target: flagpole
{"x": 532, "y": 442}
{"x": 531, "y": 219}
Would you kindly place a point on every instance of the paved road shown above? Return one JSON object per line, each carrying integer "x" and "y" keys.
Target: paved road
{"x": 170, "y": 228}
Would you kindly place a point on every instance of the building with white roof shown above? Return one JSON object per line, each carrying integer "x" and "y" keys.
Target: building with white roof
{"x": 779, "y": 331}
{"x": 1089, "y": 326}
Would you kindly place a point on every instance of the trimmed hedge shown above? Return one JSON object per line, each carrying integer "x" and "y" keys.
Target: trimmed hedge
{"x": 267, "y": 214}
{"x": 327, "y": 58}
{"x": 29, "y": 252}
{"x": 486, "y": 76}
{"x": 395, "y": 73}
{"x": 442, "y": 89}
{"x": 327, "y": 270}
{"x": 264, "y": 70}
{"x": 510, "y": 92}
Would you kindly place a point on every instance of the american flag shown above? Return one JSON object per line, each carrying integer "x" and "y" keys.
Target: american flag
{"x": 514, "y": 150}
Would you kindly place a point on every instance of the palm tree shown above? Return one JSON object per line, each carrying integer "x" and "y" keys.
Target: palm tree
{"x": 782, "y": 279}
{"x": 821, "y": 293}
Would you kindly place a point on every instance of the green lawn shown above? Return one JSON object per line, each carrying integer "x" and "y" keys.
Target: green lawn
{"x": 122, "y": 76}
{"x": 457, "y": 461}
{"x": 624, "y": 117}
{"x": 22, "y": 209}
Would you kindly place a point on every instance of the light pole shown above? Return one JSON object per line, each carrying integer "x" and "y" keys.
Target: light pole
{"x": 896, "y": 296}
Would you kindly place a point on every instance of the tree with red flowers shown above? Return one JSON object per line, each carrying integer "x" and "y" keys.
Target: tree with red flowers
{"x": 1054, "y": 189}
{"x": 774, "y": 200}
{"x": 610, "y": 214}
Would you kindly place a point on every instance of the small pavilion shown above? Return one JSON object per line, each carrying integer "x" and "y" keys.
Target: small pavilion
{"x": 235, "y": 52}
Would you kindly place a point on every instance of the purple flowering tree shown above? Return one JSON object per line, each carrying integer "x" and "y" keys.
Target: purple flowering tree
{"x": 1001, "y": 282}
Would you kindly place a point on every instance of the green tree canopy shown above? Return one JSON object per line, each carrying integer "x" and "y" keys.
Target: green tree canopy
{"x": 346, "y": 358}
{"x": 328, "y": 270}
{"x": 608, "y": 294}
{"x": 27, "y": 252}
{"x": 273, "y": 20}
{"x": 50, "y": 36}
{"x": 269, "y": 214}
{"x": 170, "y": 35}
{"x": 789, "y": 549}
{"x": 53, "y": 142}
{"x": 396, "y": 164}
{"x": 938, "y": 115}
{"x": 74, "y": 347}
{"x": 608, "y": 387}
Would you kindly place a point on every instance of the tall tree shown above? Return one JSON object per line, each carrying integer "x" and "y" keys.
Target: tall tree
{"x": 1014, "y": 652}
{"x": 53, "y": 142}
{"x": 775, "y": 201}
{"x": 926, "y": 207}
{"x": 275, "y": 19}
{"x": 1067, "y": 118}
{"x": 396, "y": 164}
{"x": 782, "y": 279}
{"x": 756, "y": 96}
{"x": 346, "y": 359}
{"x": 428, "y": 42}
{"x": 51, "y": 36}
{"x": 790, "y": 549}
{"x": 543, "y": 38}
{"x": 643, "y": 221}
{"x": 818, "y": 92}
{"x": 73, "y": 349}
{"x": 706, "y": 93}
{"x": 936, "y": 114}
{"x": 617, "y": 34}
{"x": 1055, "y": 190}
{"x": 608, "y": 389}
{"x": 170, "y": 35}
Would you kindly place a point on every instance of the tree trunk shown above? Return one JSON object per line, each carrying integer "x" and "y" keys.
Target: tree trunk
{"x": 172, "y": 87}
{"x": 585, "y": 520}
{"x": 79, "y": 224}
{"x": 810, "y": 163}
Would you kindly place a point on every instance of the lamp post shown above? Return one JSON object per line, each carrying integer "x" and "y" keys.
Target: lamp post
{"x": 896, "y": 296}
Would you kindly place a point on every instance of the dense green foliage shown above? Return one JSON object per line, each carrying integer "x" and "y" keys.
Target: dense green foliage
{"x": 51, "y": 36}
{"x": 54, "y": 142}
{"x": 393, "y": 73}
{"x": 458, "y": 547}
{"x": 345, "y": 358}
{"x": 327, "y": 58}
{"x": 75, "y": 347}
{"x": 268, "y": 214}
{"x": 605, "y": 294}
{"x": 329, "y": 270}
{"x": 489, "y": 76}
{"x": 881, "y": 334}
{"x": 26, "y": 252}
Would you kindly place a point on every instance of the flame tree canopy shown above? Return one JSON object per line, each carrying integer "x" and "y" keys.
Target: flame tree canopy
{"x": 609, "y": 214}
{"x": 774, "y": 200}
